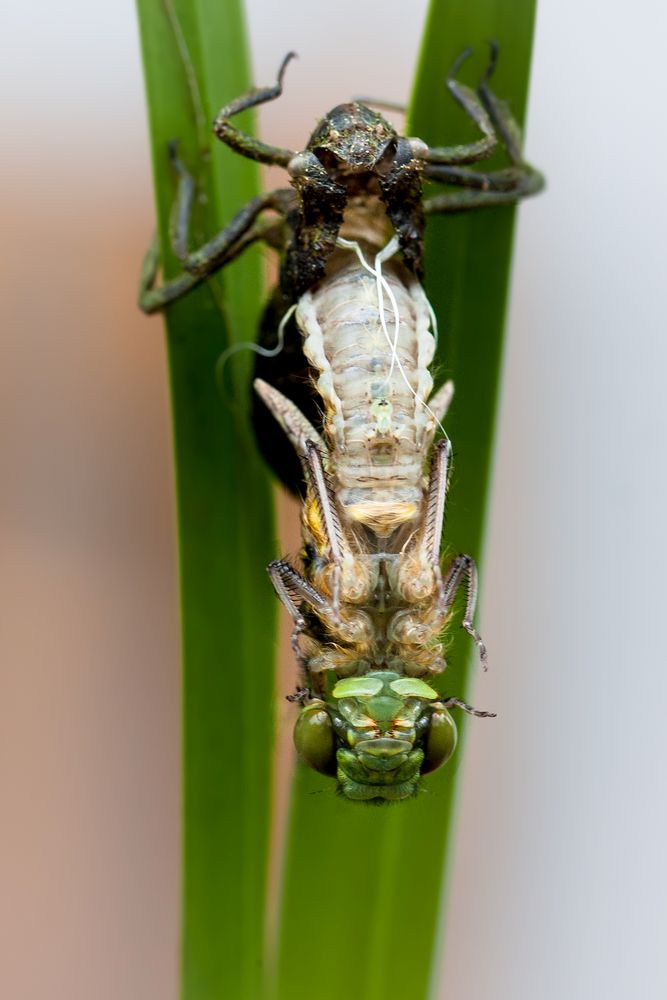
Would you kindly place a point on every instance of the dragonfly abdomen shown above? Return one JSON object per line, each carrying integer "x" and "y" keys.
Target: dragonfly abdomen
{"x": 367, "y": 335}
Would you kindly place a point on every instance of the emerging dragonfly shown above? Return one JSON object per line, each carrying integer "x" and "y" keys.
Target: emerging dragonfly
{"x": 356, "y": 342}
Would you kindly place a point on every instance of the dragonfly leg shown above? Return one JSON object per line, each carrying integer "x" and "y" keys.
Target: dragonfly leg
{"x": 499, "y": 113}
{"x": 321, "y": 487}
{"x": 297, "y": 427}
{"x": 420, "y": 575}
{"x": 457, "y": 703}
{"x": 501, "y": 187}
{"x": 473, "y": 106}
{"x": 526, "y": 183}
{"x": 463, "y": 570}
{"x": 439, "y": 402}
{"x": 382, "y": 104}
{"x": 436, "y": 496}
{"x": 438, "y": 406}
{"x": 151, "y": 299}
{"x": 294, "y": 590}
{"x": 236, "y": 235}
{"x": 497, "y": 187}
{"x": 466, "y": 201}
{"x": 302, "y": 696}
{"x": 245, "y": 228}
{"x": 181, "y": 213}
{"x": 246, "y": 144}
{"x": 419, "y": 572}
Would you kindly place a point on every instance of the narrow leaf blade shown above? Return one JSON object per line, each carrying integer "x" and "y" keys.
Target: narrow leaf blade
{"x": 195, "y": 59}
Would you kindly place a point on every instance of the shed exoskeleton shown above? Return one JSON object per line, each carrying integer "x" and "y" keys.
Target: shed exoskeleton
{"x": 352, "y": 392}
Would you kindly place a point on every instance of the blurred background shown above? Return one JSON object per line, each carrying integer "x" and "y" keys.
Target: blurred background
{"x": 559, "y": 882}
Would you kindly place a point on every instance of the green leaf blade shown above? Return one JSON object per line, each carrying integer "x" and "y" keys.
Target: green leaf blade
{"x": 224, "y": 514}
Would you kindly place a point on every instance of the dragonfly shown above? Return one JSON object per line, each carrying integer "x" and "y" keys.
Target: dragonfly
{"x": 348, "y": 386}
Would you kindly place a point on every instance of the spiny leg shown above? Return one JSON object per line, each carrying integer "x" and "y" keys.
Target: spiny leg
{"x": 246, "y": 144}
{"x": 293, "y": 591}
{"x": 463, "y": 569}
{"x": 457, "y": 703}
{"x": 436, "y": 495}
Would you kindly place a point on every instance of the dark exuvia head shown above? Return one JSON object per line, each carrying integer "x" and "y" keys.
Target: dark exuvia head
{"x": 377, "y": 735}
{"x": 353, "y": 139}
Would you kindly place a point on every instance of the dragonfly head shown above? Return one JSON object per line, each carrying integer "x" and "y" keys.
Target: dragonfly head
{"x": 377, "y": 735}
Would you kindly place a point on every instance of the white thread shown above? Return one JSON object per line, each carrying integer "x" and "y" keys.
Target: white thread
{"x": 249, "y": 345}
{"x": 383, "y": 286}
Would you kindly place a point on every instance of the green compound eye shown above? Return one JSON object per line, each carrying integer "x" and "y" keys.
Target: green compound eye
{"x": 314, "y": 738}
{"x": 412, "y": 687}
{"x": 440, "y": 741}
{"x": 358, "y": 687}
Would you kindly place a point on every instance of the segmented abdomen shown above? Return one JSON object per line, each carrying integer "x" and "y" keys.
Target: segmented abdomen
{"x": 376, "y": 421}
